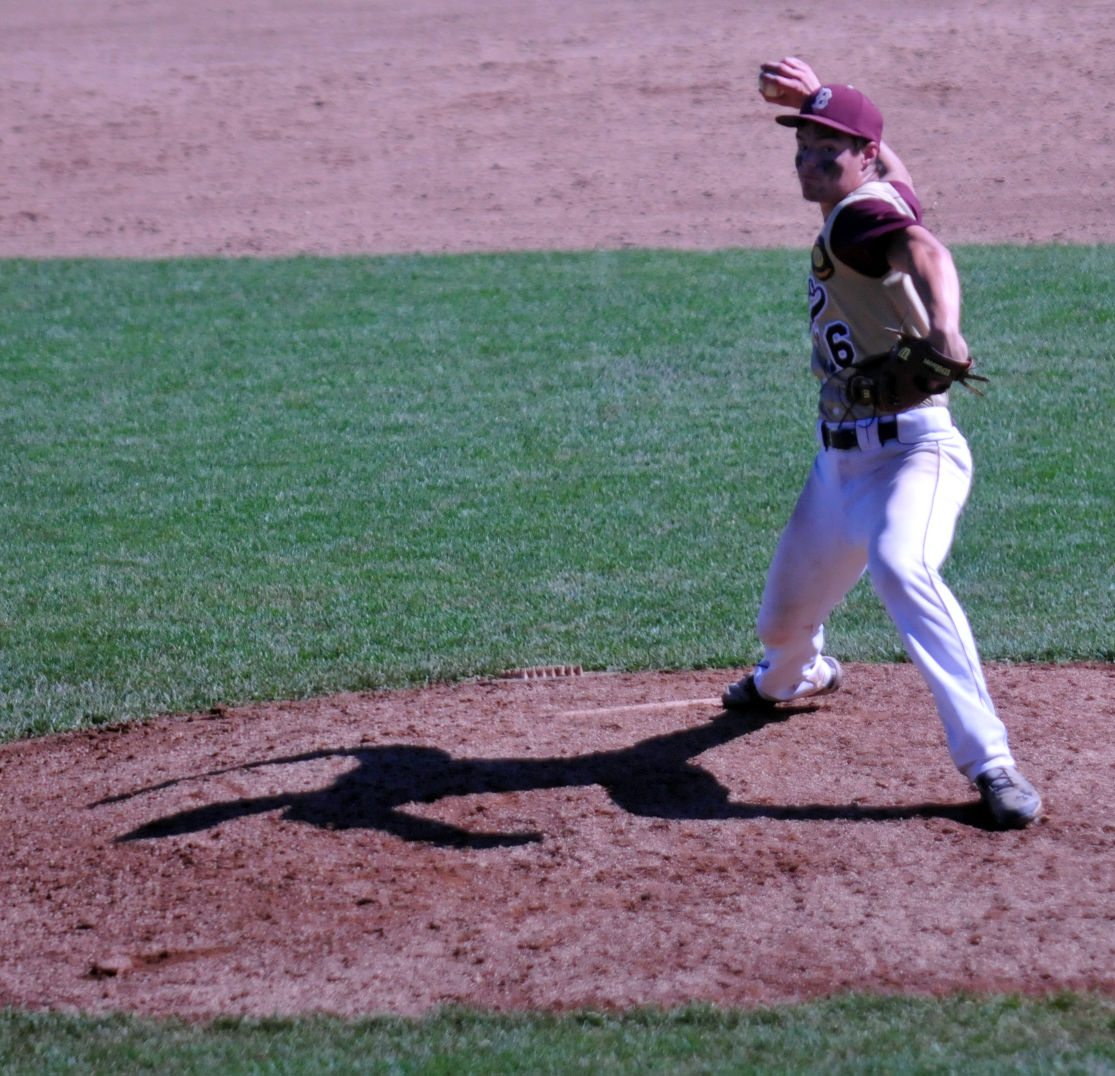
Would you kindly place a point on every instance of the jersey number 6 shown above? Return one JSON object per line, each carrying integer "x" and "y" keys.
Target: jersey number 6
{"x": 839, "y": 339}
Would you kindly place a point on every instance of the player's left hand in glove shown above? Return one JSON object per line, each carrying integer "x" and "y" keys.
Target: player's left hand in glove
{"x": 907, "y": 375}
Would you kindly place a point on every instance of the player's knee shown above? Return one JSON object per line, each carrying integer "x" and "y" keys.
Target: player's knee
{"x": 896, "y": 572}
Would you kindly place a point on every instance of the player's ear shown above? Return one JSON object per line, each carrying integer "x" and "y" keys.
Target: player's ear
{"x": 871, "y": 157}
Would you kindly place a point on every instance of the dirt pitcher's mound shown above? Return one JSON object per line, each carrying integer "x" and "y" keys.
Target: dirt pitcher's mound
{"x": 603, "y": 840}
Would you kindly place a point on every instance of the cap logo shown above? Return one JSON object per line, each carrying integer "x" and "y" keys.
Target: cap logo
{"x": 821, "y": 101}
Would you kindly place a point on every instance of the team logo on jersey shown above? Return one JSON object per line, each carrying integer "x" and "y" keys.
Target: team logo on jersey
{"x": 822, "y": 263}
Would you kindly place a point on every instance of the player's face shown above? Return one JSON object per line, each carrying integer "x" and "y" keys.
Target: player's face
{"x": 830, "y": 164}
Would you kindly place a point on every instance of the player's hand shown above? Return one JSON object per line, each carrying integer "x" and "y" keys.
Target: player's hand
{"x": 788, "y": 81}
{"x": 950, "y": 343}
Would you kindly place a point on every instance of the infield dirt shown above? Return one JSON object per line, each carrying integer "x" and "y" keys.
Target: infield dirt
{"x": 603, "y": 840}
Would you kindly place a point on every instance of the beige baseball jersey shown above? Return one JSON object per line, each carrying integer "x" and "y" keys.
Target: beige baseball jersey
{"x": 853, "y": 313}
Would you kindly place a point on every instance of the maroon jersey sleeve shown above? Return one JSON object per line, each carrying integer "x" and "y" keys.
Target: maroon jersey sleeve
{"x": 861, "y": 232}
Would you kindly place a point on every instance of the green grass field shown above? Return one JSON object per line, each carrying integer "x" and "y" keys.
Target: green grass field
{"x": 233, "y": 480}
{"x": 852, "y": 1035}
{"x": 230, "y": 480}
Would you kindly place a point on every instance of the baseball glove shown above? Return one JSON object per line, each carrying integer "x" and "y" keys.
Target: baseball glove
{"x": 911, "y": 372}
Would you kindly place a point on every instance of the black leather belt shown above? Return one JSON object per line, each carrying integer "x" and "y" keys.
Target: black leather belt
{"x": 846, "y": 437}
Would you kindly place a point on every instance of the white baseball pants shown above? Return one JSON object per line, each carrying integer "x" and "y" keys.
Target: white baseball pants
{"x": 891, "y": 510}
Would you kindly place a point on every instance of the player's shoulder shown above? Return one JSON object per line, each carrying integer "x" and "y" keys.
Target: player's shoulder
{"x": 861, "y": 226}
{"x": 882, "y": 196}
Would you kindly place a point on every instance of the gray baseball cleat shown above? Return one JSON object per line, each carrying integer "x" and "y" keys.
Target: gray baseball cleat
{"x": 744, "y": 695}
{"x": 1009, "y": 797}
{"x": 836, "y": 677}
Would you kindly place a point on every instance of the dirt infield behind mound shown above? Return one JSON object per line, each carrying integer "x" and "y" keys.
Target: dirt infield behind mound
{"x": 594, "y": 840}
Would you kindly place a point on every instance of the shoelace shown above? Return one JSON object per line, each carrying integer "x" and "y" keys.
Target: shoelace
{"x": 999, "y": 780}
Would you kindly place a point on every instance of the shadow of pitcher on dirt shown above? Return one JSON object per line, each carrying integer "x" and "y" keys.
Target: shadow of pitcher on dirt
{"x": 655, "y": 777}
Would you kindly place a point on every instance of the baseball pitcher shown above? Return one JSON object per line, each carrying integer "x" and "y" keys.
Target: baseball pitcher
{"x": 892, "y": 471}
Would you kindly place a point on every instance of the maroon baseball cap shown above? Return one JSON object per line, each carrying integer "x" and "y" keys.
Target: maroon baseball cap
{"x": 842, "y": 108}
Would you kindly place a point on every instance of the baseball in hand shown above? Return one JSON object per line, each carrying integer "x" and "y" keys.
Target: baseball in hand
{"x": 768, "y": 87}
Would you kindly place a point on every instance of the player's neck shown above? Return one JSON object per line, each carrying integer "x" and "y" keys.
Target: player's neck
{"x": 827, "y": 207}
